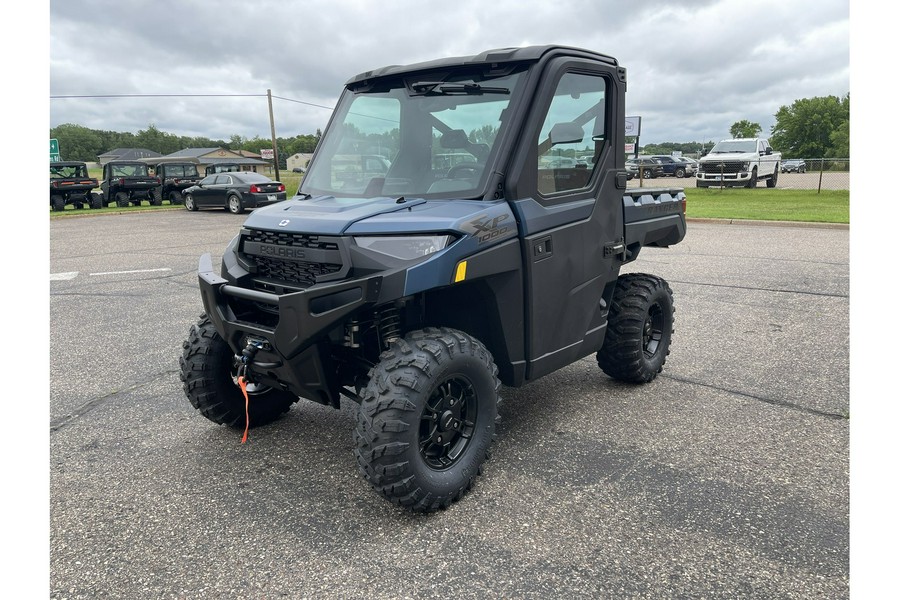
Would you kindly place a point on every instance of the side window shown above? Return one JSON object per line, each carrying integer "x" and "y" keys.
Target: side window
{"x": 573, "y": 134}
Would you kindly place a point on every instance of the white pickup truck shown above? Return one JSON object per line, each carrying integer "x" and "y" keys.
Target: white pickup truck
{"x": 739, "y": 162}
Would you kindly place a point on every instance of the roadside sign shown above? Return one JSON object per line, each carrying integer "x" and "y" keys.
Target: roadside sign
{"x": 632, "y": 126}
{"x": 54, "y": 150}
{"x": 267, "y": 153}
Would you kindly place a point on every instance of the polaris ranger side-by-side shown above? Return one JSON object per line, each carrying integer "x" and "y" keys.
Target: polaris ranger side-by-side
{"x": 174, "y": 178}
{"x": 127, "y": 182}
{"x": 417, "y": 290}
{"x": 71, "y": 184}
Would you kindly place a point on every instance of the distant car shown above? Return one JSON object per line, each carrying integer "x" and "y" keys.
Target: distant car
{"x": 234, "y": 192}
{"x": 674, "y": 165}
{"x": 648, "y": 168}
{"x": 793, "y": 166}
{"x": 693, "y": 162}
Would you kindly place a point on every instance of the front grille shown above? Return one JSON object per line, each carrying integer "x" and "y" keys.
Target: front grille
{"x": 290, "y": 260}
{"x": 725, "y": 166}
{"x": 297, "y": 272}
{"x": 294, "y": 240}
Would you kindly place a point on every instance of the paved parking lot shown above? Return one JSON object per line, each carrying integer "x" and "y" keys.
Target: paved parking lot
{"x": 726, "y": 477}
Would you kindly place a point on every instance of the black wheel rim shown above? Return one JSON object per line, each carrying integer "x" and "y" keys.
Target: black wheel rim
{"x": 448, "y": 423}
{"x": 653, "y": 330}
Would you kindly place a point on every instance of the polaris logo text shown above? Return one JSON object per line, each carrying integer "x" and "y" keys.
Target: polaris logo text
{"x": 281, "y": 251}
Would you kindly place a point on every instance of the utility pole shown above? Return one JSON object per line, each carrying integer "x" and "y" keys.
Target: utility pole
{"x": 274, "y": 143}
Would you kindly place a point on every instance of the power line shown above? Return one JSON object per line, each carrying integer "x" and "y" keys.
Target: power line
{"x": 70, "y": 96}
{"x": 156, "y": 96}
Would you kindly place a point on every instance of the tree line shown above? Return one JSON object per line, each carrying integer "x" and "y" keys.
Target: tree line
{"x": 84, "y": 144}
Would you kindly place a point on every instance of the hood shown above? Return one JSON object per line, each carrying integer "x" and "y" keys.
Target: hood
{"x": 328, "y": 215}
{"x": 729, "y": 157}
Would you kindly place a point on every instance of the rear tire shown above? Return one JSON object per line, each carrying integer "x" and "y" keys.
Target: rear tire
{"x": 175, "y": 198}
{"x": 206, "y": 372}
{"x": 96, "y": 200}
{"x": 773, "y": 180}
{"x": 122, "y": 199}
{"x": 640, "y": 328}
{"x": 427, "y": 418}
{"x": 235, "y": 206}
{"x": 57, "y": 203}
{"x": 156, "y": 197}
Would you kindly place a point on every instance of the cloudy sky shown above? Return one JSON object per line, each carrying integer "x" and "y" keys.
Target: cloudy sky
{"x": 694, "y": 67}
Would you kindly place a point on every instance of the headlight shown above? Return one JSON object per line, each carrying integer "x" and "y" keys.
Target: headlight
{"x": 404, "y": 247}
{"x": 745, "y": 166}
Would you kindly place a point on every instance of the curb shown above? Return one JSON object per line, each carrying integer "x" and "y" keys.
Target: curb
{"x": 804, "y": 224}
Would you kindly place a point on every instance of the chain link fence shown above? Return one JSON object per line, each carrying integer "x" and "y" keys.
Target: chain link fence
{"x": 815, "y": 174}
{"x": 795, "y": 174}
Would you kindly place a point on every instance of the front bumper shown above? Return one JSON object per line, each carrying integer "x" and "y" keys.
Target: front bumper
{"x": 290, "y": 358}
{"x": 727, "y": 179}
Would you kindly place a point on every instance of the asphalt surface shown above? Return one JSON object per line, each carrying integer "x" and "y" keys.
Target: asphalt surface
{"x": 726, "y": 477}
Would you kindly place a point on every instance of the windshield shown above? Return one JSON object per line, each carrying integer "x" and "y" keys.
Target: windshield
{"x": 422, "y": 136}
{"x": 735, "y": 146}
{"x": 129, "y": 170}
{"x": 63, "y": 171}
{"x": 181, "y": 171}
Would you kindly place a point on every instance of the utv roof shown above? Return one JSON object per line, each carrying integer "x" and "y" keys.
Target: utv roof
{"x": 489, "y": 57}
{"x": 67, "y": 163}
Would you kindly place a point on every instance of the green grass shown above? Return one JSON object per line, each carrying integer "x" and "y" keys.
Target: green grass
{"x": 763, "y": 204}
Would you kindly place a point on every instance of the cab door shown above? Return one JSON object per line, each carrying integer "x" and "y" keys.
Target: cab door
{"x": 569, "y": 206}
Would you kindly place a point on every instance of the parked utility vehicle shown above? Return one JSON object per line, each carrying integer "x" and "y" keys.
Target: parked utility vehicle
{"x": 417, "y": 291}
{"x": 127, "y": 182}
{"x": 174, "y": 178}
{"x": 71, "y": 184}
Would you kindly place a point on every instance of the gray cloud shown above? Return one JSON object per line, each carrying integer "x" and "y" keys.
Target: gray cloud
{"x": 694, "y": 67}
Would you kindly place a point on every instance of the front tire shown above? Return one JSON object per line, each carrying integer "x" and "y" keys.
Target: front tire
{"x": 639, "y": 330}
{"x": 189, "y": 202}
{"x": 679, "y": 173}
{"x": 207, "y": 365}
{"x": 753, "y": 179}
{"x": 427, "y": 418}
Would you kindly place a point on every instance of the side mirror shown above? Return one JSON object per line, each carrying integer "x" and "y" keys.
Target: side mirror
{"x": 768, "y": 151}
{"x": 566, "y": 133}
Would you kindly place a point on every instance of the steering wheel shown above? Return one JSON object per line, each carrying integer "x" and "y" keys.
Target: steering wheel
{"x": 472, "y": 171}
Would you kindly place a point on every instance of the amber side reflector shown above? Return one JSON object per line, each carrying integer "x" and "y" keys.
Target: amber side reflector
{"x": 460, "y": 272}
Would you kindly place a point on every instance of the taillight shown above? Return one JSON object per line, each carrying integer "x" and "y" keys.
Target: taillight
{"x": 281, "y": 187}
{"x": 54, "y": 184}
{"x": 254, "y": 189}
{"x": 121, "y": 181}
{"x": 158, "y": 180}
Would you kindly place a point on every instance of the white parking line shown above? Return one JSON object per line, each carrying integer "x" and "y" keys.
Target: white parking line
{"x": 129, "y": 272}
{"x": 63, "y": 276}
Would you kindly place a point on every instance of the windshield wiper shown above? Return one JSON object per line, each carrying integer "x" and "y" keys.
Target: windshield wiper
{"x": 432, "y": 88}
